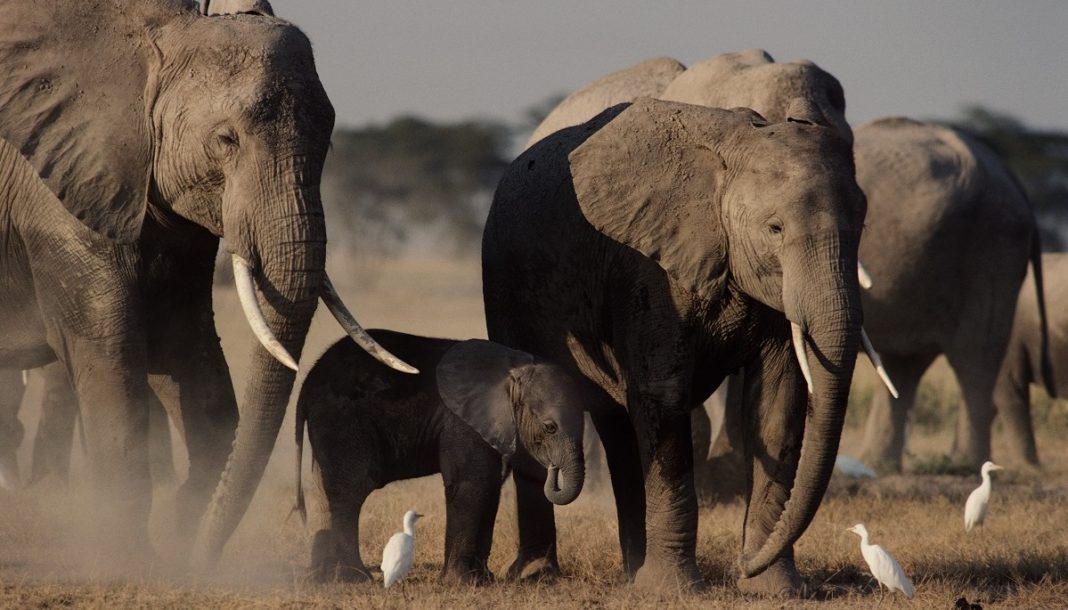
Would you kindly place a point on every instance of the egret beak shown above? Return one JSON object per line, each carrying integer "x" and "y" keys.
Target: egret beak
{"x": 996, "y": 467}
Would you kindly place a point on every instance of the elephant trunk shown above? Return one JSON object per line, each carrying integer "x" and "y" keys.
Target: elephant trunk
{"x": 287, "y": 260}
{"x": 563, "y": 484}
{"x": 830, "y": 317}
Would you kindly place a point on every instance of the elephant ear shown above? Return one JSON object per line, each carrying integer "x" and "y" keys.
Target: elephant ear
{"x": 651, "y": 179}
{"x": 76, "y": 88}
{"x": 475, "y": 382}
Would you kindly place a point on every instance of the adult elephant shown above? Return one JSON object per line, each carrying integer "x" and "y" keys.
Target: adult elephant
{"x": 1024, "y": 362}
{"x": 655, "y": 249}
{"x": 162, "y": 130}
{"x": 949, "y": 236}
{"x": 798, "y": 91}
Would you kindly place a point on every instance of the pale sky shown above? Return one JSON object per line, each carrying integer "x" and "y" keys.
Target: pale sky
{"x": 456, "y": 59}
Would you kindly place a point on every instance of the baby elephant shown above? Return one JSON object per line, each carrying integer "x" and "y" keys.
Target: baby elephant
{"x": 474, "y": 406}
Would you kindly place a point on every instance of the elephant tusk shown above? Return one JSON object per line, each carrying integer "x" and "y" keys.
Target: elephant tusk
{"x": 246, "y": 293}
{"x": 348, "y": 322}
{"x": 801, "y": 352}
{"x": 862, "y": 275}
{"x": 877, "y": 362}
{"x": 25, "y": 377}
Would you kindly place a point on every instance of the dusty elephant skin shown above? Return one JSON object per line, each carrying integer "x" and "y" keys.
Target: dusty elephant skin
{"x": 476, "y": 408}
{"x": 1023, "y": 364}
{"x": 161, "y": 130}
{"x": 948, "y": 240}
{"x": 656, "y": 249}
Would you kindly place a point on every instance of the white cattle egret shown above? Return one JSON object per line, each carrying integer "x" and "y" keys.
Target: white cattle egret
{"x": 886, "y": 570}
{"x": 853, "y": 468}
{"x": 975, "y": 507}
{"x": 397, "y": 556}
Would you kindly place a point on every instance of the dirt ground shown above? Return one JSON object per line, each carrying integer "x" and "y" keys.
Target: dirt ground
{"x": 1018, "y": 560}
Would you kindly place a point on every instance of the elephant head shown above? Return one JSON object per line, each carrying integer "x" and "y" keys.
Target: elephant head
{"x": 507, "y": 396}
{"x": 798, "y": 91}
{"x": 131, "y": 110}
{"x": 725, "y": 202}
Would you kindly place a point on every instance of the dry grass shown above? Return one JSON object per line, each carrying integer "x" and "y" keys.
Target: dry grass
{"x": 1019, "y": 560}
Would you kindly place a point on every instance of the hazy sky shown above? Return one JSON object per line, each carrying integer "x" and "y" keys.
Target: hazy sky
{"x": 453, "y": 59}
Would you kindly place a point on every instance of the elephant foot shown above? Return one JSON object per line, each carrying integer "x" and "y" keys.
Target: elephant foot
{"x": 468, "y": 575}
{"x": 658, "y": 575}
{"x": 328, "y": 562}
{"x": 780, "y": 580}
{"x": 533, "y": 567}
{"x": 327, "y": 572}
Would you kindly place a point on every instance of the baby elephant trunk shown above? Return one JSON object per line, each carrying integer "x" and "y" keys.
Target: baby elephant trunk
{"x": 562, "y": 485}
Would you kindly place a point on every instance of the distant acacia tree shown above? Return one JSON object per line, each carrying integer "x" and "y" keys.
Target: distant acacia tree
{"x": 1038, "y": 158}
{"x": 413, "y": 184}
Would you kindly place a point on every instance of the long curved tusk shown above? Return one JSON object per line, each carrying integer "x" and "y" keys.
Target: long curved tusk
{"x": 801, "y": 352}
{"x": 862, "y": 275}
{"x": 347, "y": 321}
{"x": 246, "y": 293}
{"x": 877, "y": 362}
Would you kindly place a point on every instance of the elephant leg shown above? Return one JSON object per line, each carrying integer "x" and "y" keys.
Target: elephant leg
{"x": 1012, "y": 403}
{"x": 188, "y": 371}
{"x": 773, "y": 416}
{"x": 670, "y": 499}
{"x": 593, "y": 450}
{"x": 55, "y": 432}
{"x": 884, "y": 431}
{"x": 727, "y": 468}
{"x": 472, "y": 496}
{"x": 335, "y": 551}
{"x": 160, "y": 451}
{"x": 701, "y": 432}
{"x": 976, "y": 356}
{"x": 536, "y": 557}
{"x": 115, "y": 418}
{"x": 977, "y": 373}
{"x": 11, "y": 431}
{"x": 197, "y": 395}
{"x": 625, "y": 470}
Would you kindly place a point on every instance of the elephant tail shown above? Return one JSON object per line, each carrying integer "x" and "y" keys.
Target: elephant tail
{"x": 1045, "y": 361}
{"x": 299, "y": 506}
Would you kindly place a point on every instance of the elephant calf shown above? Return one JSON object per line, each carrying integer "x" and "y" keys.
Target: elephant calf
{"x": 475, "y": 406}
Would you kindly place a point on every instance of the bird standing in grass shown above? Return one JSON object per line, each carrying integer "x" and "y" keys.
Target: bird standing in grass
{"x": 397, "y": 556}
{"x": 886, "y": 570}
{"x": 975, "y": 507}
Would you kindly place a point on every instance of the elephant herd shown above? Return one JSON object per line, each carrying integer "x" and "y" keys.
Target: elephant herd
{"x": 666, "y": 228}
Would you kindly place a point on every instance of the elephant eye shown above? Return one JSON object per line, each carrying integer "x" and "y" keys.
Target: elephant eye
{"x": 775, "y": 227}
{"x": 228, "y": 138}
{"x": 549, "y": 427}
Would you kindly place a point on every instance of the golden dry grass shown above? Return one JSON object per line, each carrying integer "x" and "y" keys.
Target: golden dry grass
{"x": 1019, "y": 560}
